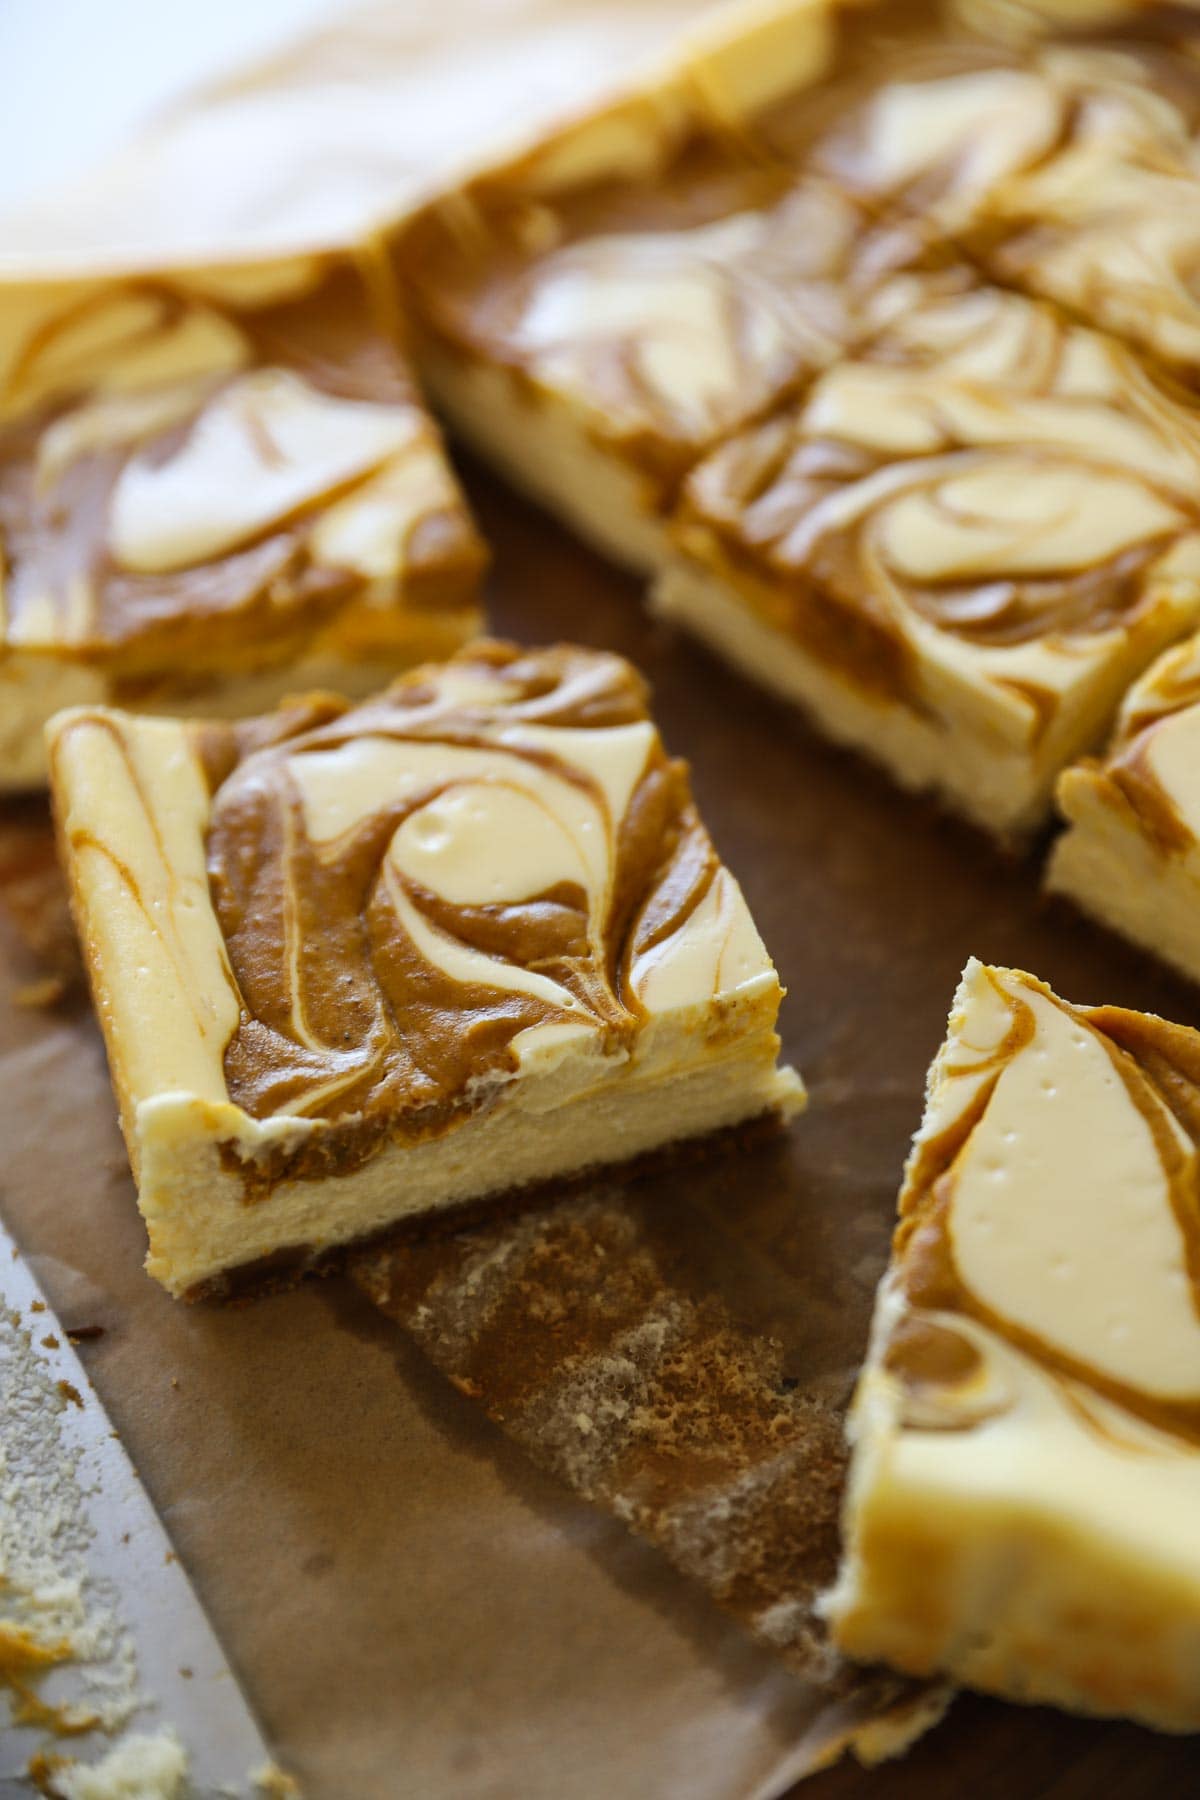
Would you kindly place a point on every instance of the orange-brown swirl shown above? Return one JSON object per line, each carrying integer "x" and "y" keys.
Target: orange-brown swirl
{"x": 355, "y": 1007}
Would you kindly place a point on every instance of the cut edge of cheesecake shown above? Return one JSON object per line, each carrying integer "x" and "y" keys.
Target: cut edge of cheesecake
{"x": 545, "y": 451}
{"x": 37, "y": 686}
{"x": 996, "y": 785}
{"x": 1110, "y": 867}
{"x": 99, "y": 366}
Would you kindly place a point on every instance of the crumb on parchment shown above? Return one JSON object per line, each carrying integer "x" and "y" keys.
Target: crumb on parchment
{"x": 271, "y": 1782}
{"x": 140, "y": 1767}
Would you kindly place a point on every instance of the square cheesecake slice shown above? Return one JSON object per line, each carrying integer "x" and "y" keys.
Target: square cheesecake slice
{"x": 957, "y": 549}
{"x": 1130, "y": 856}
{"x": 354, "y": 966}
{"x": 212, "y": 489}
{"x": 1021, "y": 1508}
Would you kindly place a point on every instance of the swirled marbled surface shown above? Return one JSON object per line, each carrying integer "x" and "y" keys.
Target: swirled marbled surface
{"x": 985, "y": 467}
{"x": 1027, "y": 1424}
{"x": 190, "y": 473}
{"x": 416, "y": 892}
{"x": 1051, "y": 1203}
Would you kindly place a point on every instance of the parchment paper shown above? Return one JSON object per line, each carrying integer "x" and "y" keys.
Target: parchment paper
{"x": 351, "y": 126}
{"x": 415, "y": 1610}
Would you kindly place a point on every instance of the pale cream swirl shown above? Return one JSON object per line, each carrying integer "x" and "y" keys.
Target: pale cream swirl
{"x": 1049, "y": 1208}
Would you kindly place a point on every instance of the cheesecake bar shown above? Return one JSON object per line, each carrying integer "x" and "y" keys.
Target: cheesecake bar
{"x": 212, "y": 489}
{"x": 599, "y": 313}
{"x": 1058, "y": 146}
{"x": 596, "y": 374}
{"x": 1021, "y": 1508}
{"x": 356, "y": 965}
{"x": 957, "y": 549}
{"x": 1108, "y": 223}
{"x": 1130, "y": 856}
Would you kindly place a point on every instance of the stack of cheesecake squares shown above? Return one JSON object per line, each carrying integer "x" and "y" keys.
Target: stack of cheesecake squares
{"x": 870, "y": 334}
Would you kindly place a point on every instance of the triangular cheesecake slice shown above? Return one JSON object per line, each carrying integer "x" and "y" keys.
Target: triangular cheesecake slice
{"x": 1024, "y": 1495}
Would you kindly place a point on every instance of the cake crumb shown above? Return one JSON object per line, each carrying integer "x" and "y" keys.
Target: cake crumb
{"x": 271, "y": 1781}
{"x": 70, "y": 1392}
{"x": 140, "y": 1767}
{"x": 50, "y": 1342}
{"x": 58, "y": 1620}
{"x": 41, "y": 1770}
{"x": 24, "y": 1657}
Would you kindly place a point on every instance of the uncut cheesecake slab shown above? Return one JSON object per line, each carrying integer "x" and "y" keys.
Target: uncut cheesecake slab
{"x": 358, "y": 965}
{"x": 1022, "y": 1503}
{"x": 957, "y": 549}
{"x": 215, "y": 488}
{"x": 1130, "y": 856}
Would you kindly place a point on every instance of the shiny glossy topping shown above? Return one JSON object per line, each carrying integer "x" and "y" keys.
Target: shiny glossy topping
{"x": 171, "y": 464}
{"x": 1050, "y": 1210}
{"x": 985, "y": 467}
{"x": 492, "y": 861}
